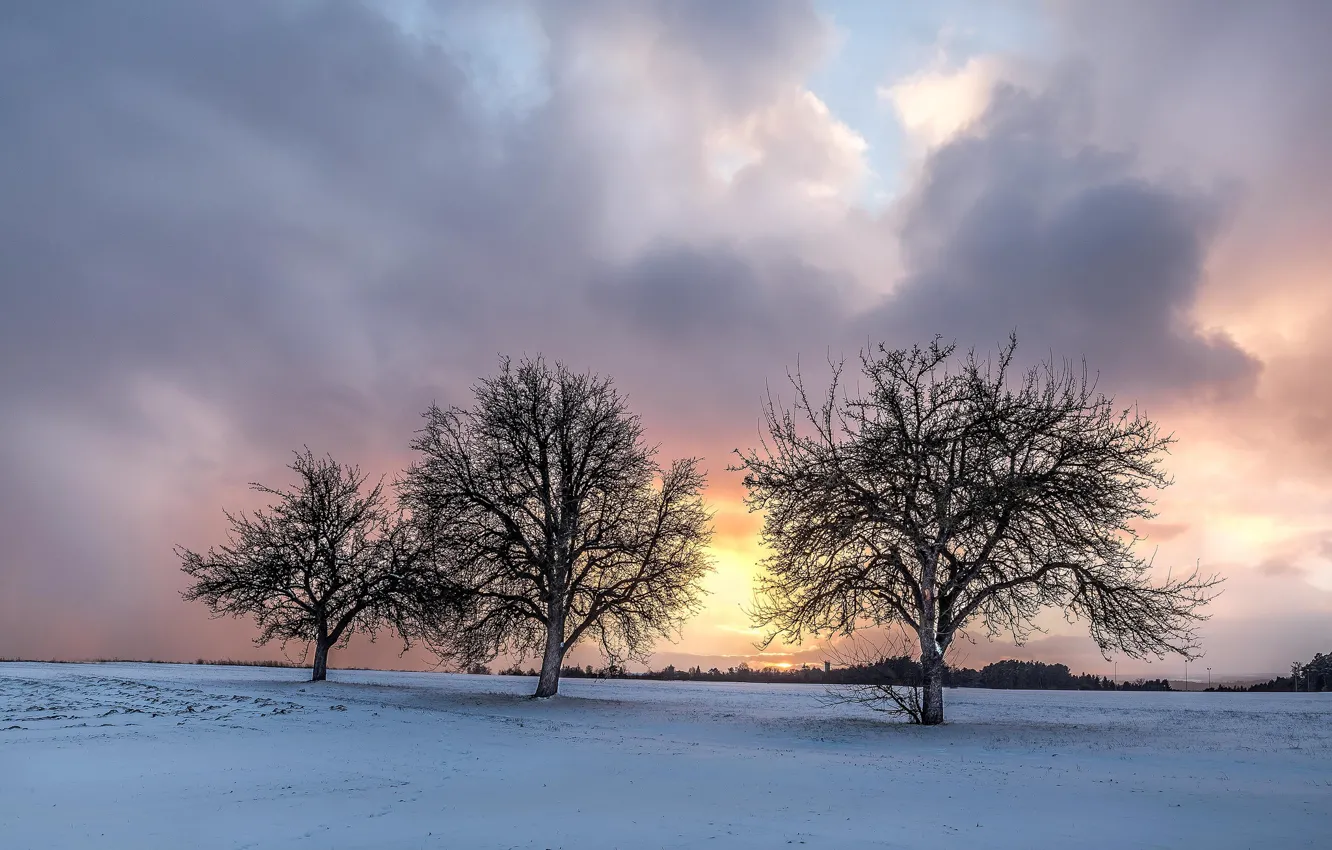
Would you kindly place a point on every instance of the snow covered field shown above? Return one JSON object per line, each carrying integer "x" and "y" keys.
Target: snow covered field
{"x": 149, "y": 756}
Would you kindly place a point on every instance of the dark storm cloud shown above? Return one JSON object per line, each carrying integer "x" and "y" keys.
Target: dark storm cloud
{"x": 1244, "y": 89}
{"x": 178, "y": 173}
{"x": 1019, "y": 225}
{"x": 279, "y": 200}
{"x": 685, "y": 294}
{"x": 231, "y": 228}
{"x": 288, "y": 223}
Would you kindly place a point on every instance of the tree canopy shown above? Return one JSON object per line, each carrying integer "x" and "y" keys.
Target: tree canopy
{"x": 327, "y": 559}
{"x": 958, "y": 490}
{"x": 557, "y": 522}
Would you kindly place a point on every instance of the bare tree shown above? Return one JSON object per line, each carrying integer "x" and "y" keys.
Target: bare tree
{"x": 328, "y": 559}
{"x": 899, "y": 695}
{"x": 558, "y": 523}
{"x": 953, "y": 493}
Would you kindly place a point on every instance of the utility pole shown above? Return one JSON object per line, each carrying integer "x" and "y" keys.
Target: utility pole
{"x": 1186, "y": 675}
{"x": 1209, "y": 678}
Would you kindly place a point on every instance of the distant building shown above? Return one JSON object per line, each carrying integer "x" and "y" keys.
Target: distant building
{"x": 827, "y": 666}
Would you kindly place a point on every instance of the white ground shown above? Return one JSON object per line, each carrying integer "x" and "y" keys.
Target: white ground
{"x": 149, "y": 756}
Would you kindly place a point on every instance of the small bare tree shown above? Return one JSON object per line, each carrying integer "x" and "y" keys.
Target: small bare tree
{"x": 958, "y": 492}
{"x": 328, "y": 559}
{"x": 901, "y": 696}
{"x": 557, "y": 522}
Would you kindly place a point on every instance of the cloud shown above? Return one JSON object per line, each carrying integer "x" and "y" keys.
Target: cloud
{"x": 1279, "y": 567}
{"x": 1020, "y": 224}
{"x": 1236, "y": 95}
{"x": 1162, "y": 531}
{"x": 230, "y": 229}
{"x": 685, "y": 294}
{"x": 1298, "y": 556}
{"x": 936, "y": 105}
{"x": 303, "y": 222}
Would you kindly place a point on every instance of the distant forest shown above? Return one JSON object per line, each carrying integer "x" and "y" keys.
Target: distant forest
{"x": 1314, "y": 676}
{"x": 1012, "y": 675}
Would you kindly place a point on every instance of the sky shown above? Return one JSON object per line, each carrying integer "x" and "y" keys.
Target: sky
{"x": 228, "y": 230}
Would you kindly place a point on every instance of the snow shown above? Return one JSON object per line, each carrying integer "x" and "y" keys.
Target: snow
{"x": 172, "y": 756}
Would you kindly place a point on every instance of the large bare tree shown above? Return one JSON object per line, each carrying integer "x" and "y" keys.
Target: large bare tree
{"x": 959, "y": 490}
{"x": 328, "y": 559}
{"x": 558, "y": 524}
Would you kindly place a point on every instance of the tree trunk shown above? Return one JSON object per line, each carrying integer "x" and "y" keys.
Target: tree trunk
{"x": 549, "y": 684}
{"x": 931, "y": 651}
{"x": 932, "y": 705}
{"x": 932, "y": 671}
{"x": 320, "y": 657}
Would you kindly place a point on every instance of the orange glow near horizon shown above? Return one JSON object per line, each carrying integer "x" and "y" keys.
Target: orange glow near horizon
{"x": 695, "y": 221}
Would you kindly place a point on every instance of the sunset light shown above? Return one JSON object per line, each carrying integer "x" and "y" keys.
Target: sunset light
{"x": 594, "y": 423}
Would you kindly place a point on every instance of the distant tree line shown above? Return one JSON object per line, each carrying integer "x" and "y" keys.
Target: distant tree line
{"x": 1313, "y": 677}
{"x": 1036, "y": 675}
{"x": 901, "y": 670}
